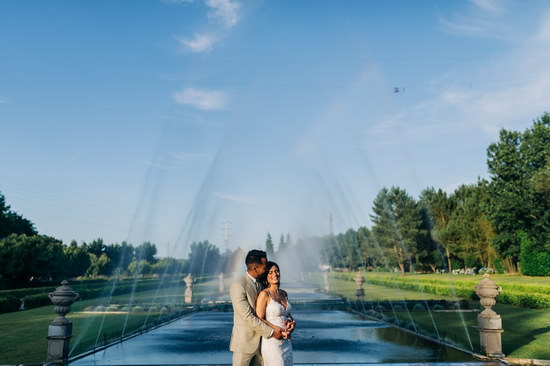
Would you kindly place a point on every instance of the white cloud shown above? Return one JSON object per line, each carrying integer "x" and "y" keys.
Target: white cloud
{"x": 201, "y": 99}
{"x": 238, "y": 199}
{"x": 201, "y": 42}
{"x": 225, "y": 10}
{"x": 488, "y": 5}
{"x": 177, "y": 1}
{"x": 507, "y": 92}
{"x": 480, "y": 18}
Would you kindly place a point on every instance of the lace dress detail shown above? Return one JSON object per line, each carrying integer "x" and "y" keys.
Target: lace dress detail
{"x": 277, "y": 352}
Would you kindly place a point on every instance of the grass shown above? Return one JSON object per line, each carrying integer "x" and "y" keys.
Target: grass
{"x": 526, "y": 331}
{"x": 23, "y": 335}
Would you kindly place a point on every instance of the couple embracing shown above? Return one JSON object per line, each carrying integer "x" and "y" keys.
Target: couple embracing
{"x": 262, "y": 323}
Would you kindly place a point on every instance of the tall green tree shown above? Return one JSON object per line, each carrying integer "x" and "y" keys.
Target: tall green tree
{"x": 269, "y": 248}
{"x": 282, "y": 244}
{"x": 517, "y": 164}
{"x": 78, "y": 259}
{"x": 204, "y": 258}
{"x": 398, "y": 226}
{"x": 97, "y": 247}
{"x": 437, "y": 209}
{"x": 13, "y": 223}
{"x": 99, "y": 265}
{"x": 146, "y": 252}
{"x": 26, "y": 259}
{"x": 370, "y": 250}
{"x": 470, "y": 230}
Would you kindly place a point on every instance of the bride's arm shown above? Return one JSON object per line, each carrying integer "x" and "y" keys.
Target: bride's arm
{"x": 261, "y": 305}
{"x": 292, "y": 324}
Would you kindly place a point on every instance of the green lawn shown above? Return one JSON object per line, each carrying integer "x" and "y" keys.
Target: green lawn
{"x": 526, "y": 331}
{"x": 23, "y": 334}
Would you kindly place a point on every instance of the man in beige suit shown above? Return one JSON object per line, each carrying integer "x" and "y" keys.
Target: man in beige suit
{"x": 247, "y": 327}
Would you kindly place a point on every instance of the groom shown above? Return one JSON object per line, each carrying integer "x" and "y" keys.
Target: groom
{"x": 247, "y": 327}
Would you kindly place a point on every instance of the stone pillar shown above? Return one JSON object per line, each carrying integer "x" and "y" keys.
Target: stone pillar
{"x": 60, "y": 329}
{"x": 326, "y": 282}
{"x": 221, "y": 284}
{"x": 359, "y": 291}
{"x": 489, "y": 323}
{"x": 188, "y": 289}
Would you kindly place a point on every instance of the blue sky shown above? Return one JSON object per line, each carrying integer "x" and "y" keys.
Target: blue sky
{"x": 158, "y": 120}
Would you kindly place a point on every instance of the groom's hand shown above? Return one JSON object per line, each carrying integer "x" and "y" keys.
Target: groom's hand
{"x": 278, "y": 333}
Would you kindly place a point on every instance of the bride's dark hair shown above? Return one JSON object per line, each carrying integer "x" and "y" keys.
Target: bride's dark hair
{"x": 268, "y": 267}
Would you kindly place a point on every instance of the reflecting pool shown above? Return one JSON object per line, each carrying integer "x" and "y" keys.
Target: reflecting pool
{"x": 322, "y": 336}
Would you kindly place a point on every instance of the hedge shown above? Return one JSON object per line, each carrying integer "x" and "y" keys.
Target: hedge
{"x": 528, "y": 296}
{"x": 36, "y": 297}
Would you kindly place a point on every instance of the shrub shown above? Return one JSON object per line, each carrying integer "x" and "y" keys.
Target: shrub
{"x": 34, "y": 301}
{"x": 534, "y": 259}
{"x": 9, "y": 303}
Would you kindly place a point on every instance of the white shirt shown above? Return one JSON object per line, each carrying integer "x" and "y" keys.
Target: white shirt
{"x": 255, "y": 280}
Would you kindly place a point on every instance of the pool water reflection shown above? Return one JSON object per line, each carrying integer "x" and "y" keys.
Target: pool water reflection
{"x": 322, "y": 336}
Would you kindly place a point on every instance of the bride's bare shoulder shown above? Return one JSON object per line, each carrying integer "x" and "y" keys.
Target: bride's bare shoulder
{"x": 263, "y": 294}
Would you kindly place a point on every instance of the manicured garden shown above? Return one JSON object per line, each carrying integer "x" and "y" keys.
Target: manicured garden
{"x": 23, "y": 336}
{"x": 526, "y": 331}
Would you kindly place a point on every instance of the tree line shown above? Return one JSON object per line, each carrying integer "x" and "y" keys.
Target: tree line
{"x": 28, "y": 258}
{"x": 500, "y": 223}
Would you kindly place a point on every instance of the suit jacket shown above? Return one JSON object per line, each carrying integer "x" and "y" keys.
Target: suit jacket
{"x": 247, "y": 327}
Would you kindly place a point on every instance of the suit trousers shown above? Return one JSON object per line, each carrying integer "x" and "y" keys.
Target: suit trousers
{"x": 244, "y": 359}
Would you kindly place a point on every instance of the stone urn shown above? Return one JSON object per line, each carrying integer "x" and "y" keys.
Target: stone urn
{"x": 326, "y": 283}
{"x": 60, "y": 329}
{"x": 487, "y": 291}
{"x": 359, "y": 291}
{"x": 221, "y": 284}
{"x": 62, "y": 299}
{"x": 188, "y": 289}
{"x": 489, "y": 323}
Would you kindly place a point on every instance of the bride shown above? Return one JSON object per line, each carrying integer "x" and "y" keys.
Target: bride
{"x": 273, "y": 308}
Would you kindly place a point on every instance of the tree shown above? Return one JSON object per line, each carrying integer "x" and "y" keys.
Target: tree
{"x": 282, "y": 244}
{"x": 78, "y": 259}
{"x": 397, "y": 225}
{"x": 166, "y": 266}
{"x": 470, "y": 228}
{"x": 147, "y": 252}
{"x": 138, "y": 268}
{"x": 203, "y": 258}
{"x": 269, "y": 249}
{"x": 99, "y": 265}
{"x": 96, "y": 247}
{"x": 437, "y": 209}
{"x": 25, "y": 259}
{"x": 519, "y": 203}
{"x": 370, "y": 250}
{"x": 13, "y": 223}
{"x": 120, "y": 256}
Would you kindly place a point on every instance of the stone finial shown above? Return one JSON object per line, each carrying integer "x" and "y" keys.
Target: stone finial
{"x": 489, "y": 323}
{"x": 60, "y": 329}
{"x": 62, "y": 298}
{"x": 188, "y": 289}
{"x": 487, "y": 291}
{"x": 359, "y": 291}
{"x": 221, "y": 284}
{"x": 326, "y": 283}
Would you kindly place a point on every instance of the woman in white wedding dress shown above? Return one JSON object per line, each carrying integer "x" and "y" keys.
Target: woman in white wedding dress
{"x": 273, "y": 308}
